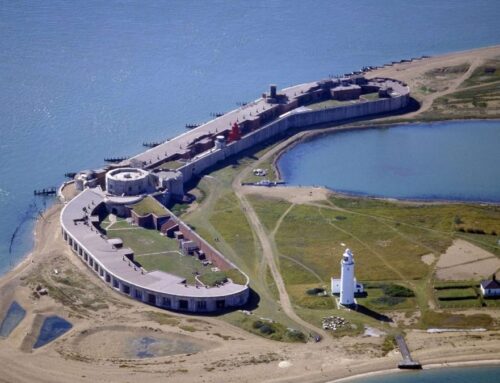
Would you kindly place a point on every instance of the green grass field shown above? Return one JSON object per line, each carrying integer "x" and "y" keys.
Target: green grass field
{"x": 487, "y": 73}
{"x": 388, "y": 240}
{"x": 174, "y": 263}
{"x": 456, "y": 294}
{"x": 171, "y": 165}
{"x": 144, "y": 241}
{"x": 371, "y": 96}
{"x": 149, "y": 206}
{"x": 330, "y": 104}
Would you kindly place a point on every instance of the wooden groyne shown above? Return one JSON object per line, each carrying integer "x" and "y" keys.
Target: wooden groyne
{"x": 45, "y": 191}
{"x": 70, "y": 174}
{"x": 192, "y": 126}
{"x": 115, "y": 159}
{"x": 407, "y": 363}
{"x": 151, "y": 144}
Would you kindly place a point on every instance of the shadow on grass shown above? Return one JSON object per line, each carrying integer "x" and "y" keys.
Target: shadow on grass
{"x": 372, "y": 314}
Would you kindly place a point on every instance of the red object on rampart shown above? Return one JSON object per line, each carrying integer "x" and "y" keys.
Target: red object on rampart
{"x": 235, "y": 133}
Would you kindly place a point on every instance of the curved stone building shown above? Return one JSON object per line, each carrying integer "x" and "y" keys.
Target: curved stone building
{"x": 115, "y": 265}
{"x": 129, "y": 182}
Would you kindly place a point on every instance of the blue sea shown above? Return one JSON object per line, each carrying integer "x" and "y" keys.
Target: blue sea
{"x": 84, "y": 80}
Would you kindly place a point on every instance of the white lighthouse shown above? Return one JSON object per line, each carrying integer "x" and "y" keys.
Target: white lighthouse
{"x": 347, "y": 281}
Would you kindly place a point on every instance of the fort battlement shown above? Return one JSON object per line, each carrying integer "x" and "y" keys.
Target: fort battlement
{"x": 193, "y": 152}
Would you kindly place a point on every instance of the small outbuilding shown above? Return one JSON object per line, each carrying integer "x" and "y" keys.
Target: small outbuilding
{"x": 490, "y": 287}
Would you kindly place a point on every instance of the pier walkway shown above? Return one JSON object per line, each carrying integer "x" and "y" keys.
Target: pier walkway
{"x": 407, "y": 362}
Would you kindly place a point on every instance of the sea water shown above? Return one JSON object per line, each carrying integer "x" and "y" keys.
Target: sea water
{"x": 456, "y": 160}
{"x": 479, "y": 374}
{"x": 84, "y": 80}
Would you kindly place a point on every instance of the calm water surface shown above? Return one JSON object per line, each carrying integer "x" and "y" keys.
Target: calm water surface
{"x": 457, "y": 160}
{"x": 483, "y": 374}
{"x": 82, "y": 80}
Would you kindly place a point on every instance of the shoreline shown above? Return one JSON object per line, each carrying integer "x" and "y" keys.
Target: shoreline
{"x": 431, "y": 366}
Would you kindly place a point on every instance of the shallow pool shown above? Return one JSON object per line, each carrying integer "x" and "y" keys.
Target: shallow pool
{"x": 15, "y": 314}
{"x": 52, "y": 328}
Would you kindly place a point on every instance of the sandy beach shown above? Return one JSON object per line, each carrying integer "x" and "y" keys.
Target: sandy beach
{"x": 109, "y": 330}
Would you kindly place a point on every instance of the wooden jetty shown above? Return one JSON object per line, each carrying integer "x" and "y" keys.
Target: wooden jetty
{"x": 216, "y": 114}
{"x": 151, "y": 144}
{"x": 45, "y": 191}
{"x": 115, "y": 159}
{"x": 407, "y": 363}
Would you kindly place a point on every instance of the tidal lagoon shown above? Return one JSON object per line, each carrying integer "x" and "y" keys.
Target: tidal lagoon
{"x": 456, "y": 160}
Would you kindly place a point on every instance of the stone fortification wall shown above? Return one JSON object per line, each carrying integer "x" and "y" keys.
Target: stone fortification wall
{"x": 295, "y": 120}
{"x": 211, "y": 254}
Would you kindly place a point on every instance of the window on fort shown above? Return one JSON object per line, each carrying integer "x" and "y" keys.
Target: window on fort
{"x": 115, "y": 283}
{"x": 220, "y": 304}
{"x": 126, "y": 289}
{"x": 201, "y": 305}
{"x": 166, "y": 302}
{"x": 138, "y": 294}
{"x": 183, "y": 304}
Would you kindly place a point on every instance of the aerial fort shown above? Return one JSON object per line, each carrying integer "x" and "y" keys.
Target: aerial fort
{"x": 137, "y": 191}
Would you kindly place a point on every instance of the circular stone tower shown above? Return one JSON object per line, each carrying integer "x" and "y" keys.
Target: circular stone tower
{"x": 347, "y": 279}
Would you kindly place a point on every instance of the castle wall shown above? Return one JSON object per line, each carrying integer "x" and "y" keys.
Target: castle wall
{"x": 294, "y": 120}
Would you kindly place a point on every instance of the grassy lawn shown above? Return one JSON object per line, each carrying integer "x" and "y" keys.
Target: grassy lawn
{"x": 228, "y": 219}
{"x": 313, "y": 236}
{"x": 451, "y": 294}
{"x": 172, "y": 165}
{"x": 388, "y": 240}
{"x": 481, "y": 102}
{"x": 144, "y": 241}
{"x": 330, "y": 104}
{"x": 377, "y": 300}
{"x": 265, "y": 165}
{"x": 213, "y": 278}
{"x": 448, "y": 320}
{"x": 371, "y": 96}
{"x": 149, "y": 206}
{"x": 268, "y": 209}
{"x": 299, "y": 296}
{"x": 484, "y": 74}
{"x": 174, "y": 263}
{"x": 120, "y": 223}
{"x": 460, "y": 304}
